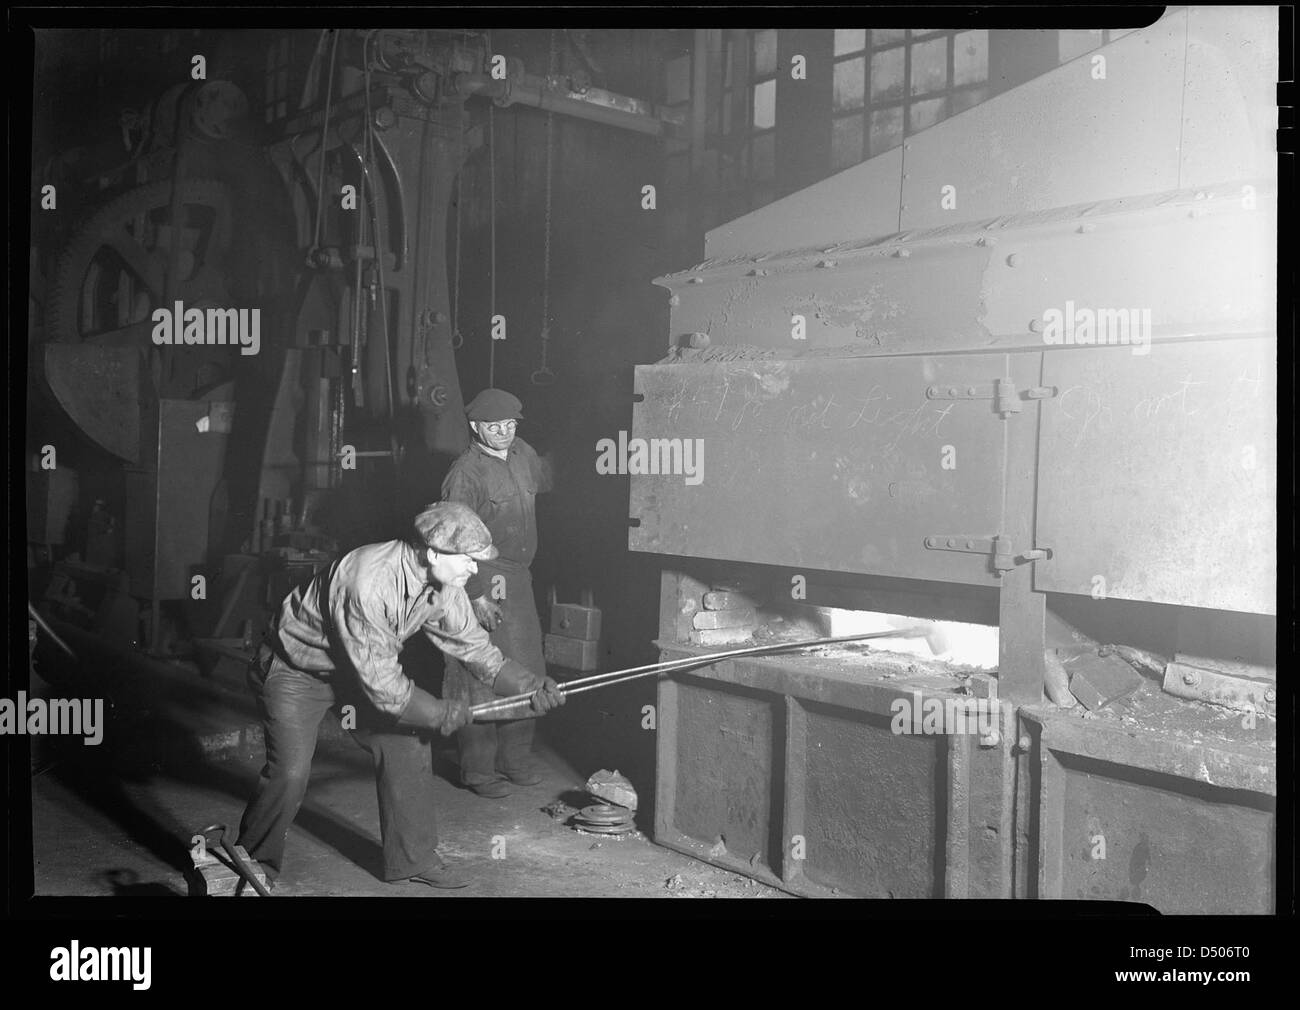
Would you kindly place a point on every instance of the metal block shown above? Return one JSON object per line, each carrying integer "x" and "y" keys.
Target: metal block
{"x": 720, "y": 636}
{"x": 845, "y": 455}
{"x": 1097, "y": 681}
{"x": 1059, "y": 139}
{"x": 215, "y": 878}
{"x": 575, "y": 620}
{"x": 1144, "y": 463}
{"x": 728, "y": 600}
{"x": 571, "y": 653}
{"x": 713, "y": 619}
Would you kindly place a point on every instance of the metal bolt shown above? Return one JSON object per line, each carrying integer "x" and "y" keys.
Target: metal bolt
{"x": 952, "y": 390}
{"x": 970, "y": 390}
{"x": 931, "y": 541}
{"x": 1024, "y": 743}
{"x": 970, "y": 544}
{"x": 952, "y": 543}
{"x": 1270, "y": 696}
{"x": 1013, "y": 260}
{"x": 1190, "y": 678}
{"x": 675, "y": 300}
{"x": 992, "y": 740}
{"x": 1036, "y": 325}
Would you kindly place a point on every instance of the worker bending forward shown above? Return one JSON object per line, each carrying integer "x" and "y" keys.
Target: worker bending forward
{"x": 499, "y": 476}
{"x": 337, "y": 640}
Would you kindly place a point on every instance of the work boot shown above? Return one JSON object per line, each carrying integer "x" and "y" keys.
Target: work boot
{"x": 440, "y": 876}
{"x": 494, "y": 790}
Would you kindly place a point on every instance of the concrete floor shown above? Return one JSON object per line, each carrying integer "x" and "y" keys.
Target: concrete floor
{"x": 105, "y": 825}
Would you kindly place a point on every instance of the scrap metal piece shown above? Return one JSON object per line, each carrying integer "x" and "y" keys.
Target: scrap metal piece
{"x": 612, "y": 788}
{"x": 1099, "y": 680}
{"x": 1240, "y": 693}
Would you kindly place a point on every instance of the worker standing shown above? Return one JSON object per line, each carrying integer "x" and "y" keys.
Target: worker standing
{"x": 499, "y": 476}
{"x": 337, "y": 640}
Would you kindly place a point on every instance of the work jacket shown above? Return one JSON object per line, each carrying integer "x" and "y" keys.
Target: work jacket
{"x": 357, "y": 615}
{"x": 504, "y": 493}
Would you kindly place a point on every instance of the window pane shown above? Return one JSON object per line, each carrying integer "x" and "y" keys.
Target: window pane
{"x": 849, "y": 84}
{"x": 887, "y": 74}
{"x": 846, "y": 142}
{"x": 763, "y": 156}
{"x": 849, "y": 40}
{"x": 884, "y": 36}
{"x": 923, "y": 114}
{"x": 1077, "y": 42}
{"x": 765, "y": 52}
{"x": 765, "y": 105}
{"x": 930, "y": 66}
{"x": 886, "y": 129}
{"x": 962, "y": 100}
{"x": 970, "y": 58}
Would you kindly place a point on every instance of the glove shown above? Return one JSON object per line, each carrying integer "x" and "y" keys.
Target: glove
{"x": 424, "y": 711}
{"x": 547, "y": 697}
{"x": 514, "y": 678}
{"x": 489, "y": 614}
{"x": 457, "y": 715}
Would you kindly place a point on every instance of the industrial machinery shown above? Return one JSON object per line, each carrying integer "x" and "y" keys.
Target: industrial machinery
{"x": 329, "y": 222}
{"x": 1016, "y": 375}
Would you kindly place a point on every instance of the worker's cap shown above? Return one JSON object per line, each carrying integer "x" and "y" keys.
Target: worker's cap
{"x": 494, "y": 405}
{"x": 452, "y": 528}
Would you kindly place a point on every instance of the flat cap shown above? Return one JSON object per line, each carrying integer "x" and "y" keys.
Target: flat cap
{"x": 494, "y": 405}
{"x": 450, "y": 527}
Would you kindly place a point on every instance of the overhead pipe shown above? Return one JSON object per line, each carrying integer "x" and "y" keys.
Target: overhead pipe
{"x": 535, "y": 92}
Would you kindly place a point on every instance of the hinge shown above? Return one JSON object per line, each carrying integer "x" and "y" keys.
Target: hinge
{"x": 1004, "y": 557}
{"x": 1006, "y": 400}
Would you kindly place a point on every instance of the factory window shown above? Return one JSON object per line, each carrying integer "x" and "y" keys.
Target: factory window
{"x": 890, "y": 82}
{"x": 276, "y": 90}
{"x": 1076, "y": 42}
{"x": 762, "y": 105}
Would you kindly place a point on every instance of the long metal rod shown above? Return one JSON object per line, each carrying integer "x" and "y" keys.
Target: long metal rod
{"x": 651, "y": 669}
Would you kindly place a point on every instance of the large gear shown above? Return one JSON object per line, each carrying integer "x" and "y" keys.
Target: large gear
{"x": 131, "y": 227}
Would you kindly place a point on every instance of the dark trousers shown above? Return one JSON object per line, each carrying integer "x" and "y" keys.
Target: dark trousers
{"x": 292, "y": 705}
{"x": 487, "y": 748}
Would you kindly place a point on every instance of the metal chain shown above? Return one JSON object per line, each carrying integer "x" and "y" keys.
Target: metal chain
{"x": 544, "y": 376}
{"x": 492, "y": 229}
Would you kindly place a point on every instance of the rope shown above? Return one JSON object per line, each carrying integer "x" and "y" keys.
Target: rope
{"x": 544, "y": 375}
{"x": 324, "y": 139}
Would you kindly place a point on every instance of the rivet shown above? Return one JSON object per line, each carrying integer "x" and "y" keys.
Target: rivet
{"x": 1013, "y": 260}
{"x": 952, "y": 390}
{"x": 970, "y": 544}
{"x": 952, "y": 543}
{"x": 970, "y": 390}
{"x": 1035, "y": 325}
{"x": 1024, "y": 743}
{"x": 1270, "y": 696}
{"x": 675, "y": 300}
{"x": 1190, "y": 678}
{"x": 930, "y": 541}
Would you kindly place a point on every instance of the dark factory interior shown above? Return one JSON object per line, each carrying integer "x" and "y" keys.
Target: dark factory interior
{"x": 648, "y": 463}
